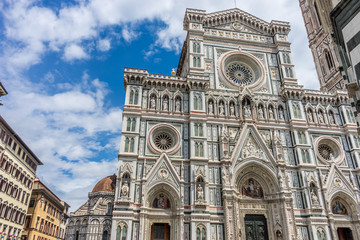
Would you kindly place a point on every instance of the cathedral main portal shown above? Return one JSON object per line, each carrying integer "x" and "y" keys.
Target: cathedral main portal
{"x": 160, "y": 231}
{"x": 255, "y": 227}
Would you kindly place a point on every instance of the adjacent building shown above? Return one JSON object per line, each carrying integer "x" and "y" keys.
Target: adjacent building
{"x": 18, "y": 166}
{"x": 232, "y": 147}
{"x": 93, "y": 219}
{"x": 45, "y": 216}
{"x": 316, "y": 14}
{"x": 346, "y": 25}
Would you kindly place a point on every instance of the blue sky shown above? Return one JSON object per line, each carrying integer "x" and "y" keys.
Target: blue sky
{"x": 62, "y": 63}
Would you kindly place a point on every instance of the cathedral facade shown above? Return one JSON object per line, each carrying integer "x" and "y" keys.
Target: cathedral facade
{"x": 232, "y": 147}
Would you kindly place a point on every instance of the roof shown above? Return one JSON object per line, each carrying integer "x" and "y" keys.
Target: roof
{"x": 106, "y": 184}
{"x": 14, "y": 134}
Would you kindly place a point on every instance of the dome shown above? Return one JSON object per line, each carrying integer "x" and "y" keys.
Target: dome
{"x": 106, "y": 184}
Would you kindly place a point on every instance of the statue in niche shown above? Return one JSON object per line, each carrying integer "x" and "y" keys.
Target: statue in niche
{"x": 260, "y": 112}
{"x": 177, "y": 105}
{"x": 252, "y": 188}
{"x": 125, "y": 189}
{"x": 339, "y": 208}
{"x": 310, "y": 116}
{"x": 200, "y": 192}
{"x": 232, "y": 110}
{"x": 321, "y": 117}
{"x": 152, "y": 102}
{"x": 166, "y": 104}
{"x": 332, "y": 118}
{"x": 225, "y": 138}
{"x": 271, "y": 113}
{"x": 247, "y": 110}
{"x": 211, "y": 107}
{"x": 161, "y": 202}
{"x": 314, "y": 197}
{"x": 221, "y": 109}
{"x": 281, "y": 113}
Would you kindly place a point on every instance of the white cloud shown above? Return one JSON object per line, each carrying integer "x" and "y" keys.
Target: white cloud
{"x": 104, "y": 45}
{"x": 74, "y": 52}
{"x": 128, "y": 34}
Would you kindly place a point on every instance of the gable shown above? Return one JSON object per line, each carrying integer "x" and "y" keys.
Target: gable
{"x": 252, "y": 146}
{"x": 163, "y": 172}
{"x": 336, "y": 182}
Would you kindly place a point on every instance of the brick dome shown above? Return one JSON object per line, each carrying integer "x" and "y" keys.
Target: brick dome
{"x": 106, "y": 184}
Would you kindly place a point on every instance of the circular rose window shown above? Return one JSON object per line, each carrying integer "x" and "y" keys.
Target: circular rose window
{"x": 164, "y": 138}
{"x": 328, "y": 149}
{"x": 241, "y": 69}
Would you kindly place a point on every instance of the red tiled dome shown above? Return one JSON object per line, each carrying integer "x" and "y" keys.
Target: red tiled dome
{"x": 106, "y": 184}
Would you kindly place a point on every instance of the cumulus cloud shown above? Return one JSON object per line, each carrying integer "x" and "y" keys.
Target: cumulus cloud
{"x": 74, "y": 52}
{"x": 104, "y": 45}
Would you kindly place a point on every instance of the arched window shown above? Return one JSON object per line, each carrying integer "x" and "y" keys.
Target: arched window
{"x": 133, "y": 124}
{"x": 131, "y": 98}
{"x": 127, "y": 142}
{"x": 105, "y": 235}
{"x": 305, "y": 156}
{"x": 197, "y": 102}
{"x": 194, "y": 61}
{"x": 136, "y": 97}
{"x": 128, "y": 124}
{"x": 198, "y": 129}
{"x": 132, "y": 145}
{"x": 329, "y": 60}
{"x": 200, "y": 233}
{"x": 199, "y": 149}
{"x": 321, "y": 235}
{"x": 77, "y": 235}
{"x": 109, "y": 209}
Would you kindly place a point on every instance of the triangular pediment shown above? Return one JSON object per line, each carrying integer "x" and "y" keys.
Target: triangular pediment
{"x": 252, "y": 146}
{"x": 336, "y": 181}
{"x": 163, "y": 172}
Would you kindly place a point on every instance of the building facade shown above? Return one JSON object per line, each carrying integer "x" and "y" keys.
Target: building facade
{"x": 346, "y": 25}
{"x": 45, "y": 214}
{"x": 232, "y": 147}
{"x": 92, "y": 221}
{"x": 17, "y": 172}
{"x": 316, "y": 14}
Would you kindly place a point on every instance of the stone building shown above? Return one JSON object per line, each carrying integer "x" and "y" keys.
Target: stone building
{"x": 18, "y": 166}
{"x": 316, "y": 14}
{"x": 232, "y": 147}
{"x": 45, "y": 215}
{"x": 346, "y": 26}
{"x": 92, "y": 221}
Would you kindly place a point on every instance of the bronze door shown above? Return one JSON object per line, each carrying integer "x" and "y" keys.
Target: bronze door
{"x": 255, "y": 227}
{"x": 344, "y": 234}
{"x": 160, "y": 231}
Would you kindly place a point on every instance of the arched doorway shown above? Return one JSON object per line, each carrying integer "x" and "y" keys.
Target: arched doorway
{"x": 160, "y": 231}
{"x": 258, "y": 205}
{"x": 161, "y": 216}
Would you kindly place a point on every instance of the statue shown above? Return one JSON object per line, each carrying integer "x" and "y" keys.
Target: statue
{"x": 281, "y": 114}
{"x": 177, "y": 105}
{"x": 260, "y": 113}
{"x": 321, "y": 118}
{"x": 200, "y": 192}
{"x": 314, "y": 198}
{"x": 225, "y": 138}
{"x": 152, "y": 103}
{"x": 332, "y": 118}
{"x": 247, "y": 111}
{"x": 232, "y": 110}
{"x": 125, "y": 189}
{"x": 221, "y": 109}
{"x": 271, "y": 113}
{"x": 211, "y": 108}
{"x": 310, "y": 116}
{"x": 165, "y": 104}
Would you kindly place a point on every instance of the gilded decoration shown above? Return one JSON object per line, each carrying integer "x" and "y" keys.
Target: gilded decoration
{"x": 251, "y": 188}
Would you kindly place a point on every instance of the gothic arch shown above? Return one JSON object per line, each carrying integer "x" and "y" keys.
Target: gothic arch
{"x": 167, "y": 190}
{"x": 259, "y": 171}
{"x": 349, "y": 202}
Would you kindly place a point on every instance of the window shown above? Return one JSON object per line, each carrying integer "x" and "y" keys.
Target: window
{"x": 121, "y": 232}
{"x": 329, "y": 60}
{"x": 286, "y": 58}
{"x": 197, "y": 102}
{"x": 129, "y": 144}
{"x": 109, "y": 209}
{"x": 130, "y": 124}
{"x": 199, "y": 149}
{"x": 200, "y": 233}
{"x": 302, "y": 137}
{"x": 305, "y": 156}
{"x": 198, "y": 128}
{"x": 196, "y": 47}
{"x": 14, "y": 146}
{"x": 196, "y": 62}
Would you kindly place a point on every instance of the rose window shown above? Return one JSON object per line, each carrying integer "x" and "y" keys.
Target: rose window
{"x": 239, "y": 74}
{"x": 164, "y": 138}
{"x": 241, "y": 69}
{"x": 325, "y": 151}
{"x": 329, "y": 149}
{"x": 163, "y": 141}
